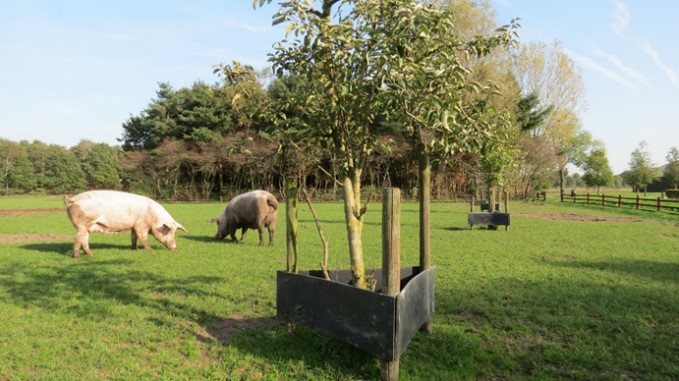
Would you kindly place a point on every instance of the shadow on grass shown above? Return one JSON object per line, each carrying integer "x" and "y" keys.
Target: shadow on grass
{"x": 455, "y": 228}
{"x": 98, "y": 285}
{"x": 97, "y": 290}
{"x": 202, "y": 238}
{"x": 583, "y": 326}
{"x": 658, "y": 271}
{"x": 63, "y": 248}
{"x": 291, "y": 346}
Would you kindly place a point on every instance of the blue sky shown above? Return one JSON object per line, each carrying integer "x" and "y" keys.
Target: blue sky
{"x": 77, "y": 69}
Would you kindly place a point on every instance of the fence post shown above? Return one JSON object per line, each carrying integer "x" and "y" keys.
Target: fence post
{"x": 587, "y": 198}
{"x": 619, "y": 201}
{"x": 391, "y": 262}
{"x": 637, "y": 201}
{"x": 603, "y": 199}
{"x": 659, "y": 204}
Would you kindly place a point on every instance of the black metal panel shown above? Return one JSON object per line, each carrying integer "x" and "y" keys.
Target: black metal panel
{"x": 365, "y": 319}
{"x": 488, "y": 219}
{"x": 359, "y": 317}
{"x": 414, "y": 307}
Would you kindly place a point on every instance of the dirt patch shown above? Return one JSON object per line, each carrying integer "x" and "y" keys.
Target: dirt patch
{"x": 7, "y": 239}
{"x": 223, "y": 330}
{"x": 580, "y": 217}
{"x": 28, "y": 212}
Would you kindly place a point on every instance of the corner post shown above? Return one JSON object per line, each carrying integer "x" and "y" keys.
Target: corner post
{"x": 391, "y": 262}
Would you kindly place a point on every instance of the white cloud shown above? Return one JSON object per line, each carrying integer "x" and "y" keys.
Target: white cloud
{"x": 589, "y": 63}
{"x": 621, "y": 18}
{"x": 651, "y": 52}
{"x": 248, "y": 27}
{"x": 637, "y": 76}
{"x": 620, "y": 26}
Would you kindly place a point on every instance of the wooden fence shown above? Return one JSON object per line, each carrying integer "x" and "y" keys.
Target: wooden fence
{"x": 651, "y": 204}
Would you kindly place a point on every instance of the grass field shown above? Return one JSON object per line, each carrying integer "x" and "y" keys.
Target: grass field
{"x": 566, "y": 293}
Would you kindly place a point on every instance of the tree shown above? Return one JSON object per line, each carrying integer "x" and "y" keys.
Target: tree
{"x": 641, "y": 172}
{"x": 548, "y": 72}
{"x": 530, "y": 115}
{"x": 38, "y": 153}
{"x": 597, "y": 170}
{"x": 428, "y": 78}
{"x": 196, "y": 114}
{"x": 394, "y": 55}
{"x": 535, "y": 164}
{"x": 17, "y": 172}
{"x": 63, "y": 172}
{"x": 100, "y": 163}
{"x": 338, "y": 58}
{"x": 671, "y": 171}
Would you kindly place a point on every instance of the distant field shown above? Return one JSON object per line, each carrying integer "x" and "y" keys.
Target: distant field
{"x": 566, "y": 293}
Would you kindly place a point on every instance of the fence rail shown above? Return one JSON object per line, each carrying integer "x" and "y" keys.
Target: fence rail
{"x": 642, "y": 203}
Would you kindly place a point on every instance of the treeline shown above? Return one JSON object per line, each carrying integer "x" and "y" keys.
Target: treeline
{"x": 213, "y": 141}
{"x": 517, "y": 108}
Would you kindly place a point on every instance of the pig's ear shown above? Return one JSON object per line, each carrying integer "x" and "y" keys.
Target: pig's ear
{"x": 164, "y": 229}
{"x": 212, "y": 220}
{"x": 180, "y": 227}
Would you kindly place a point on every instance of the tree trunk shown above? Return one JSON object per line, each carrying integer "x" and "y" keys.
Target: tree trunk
{"x": 562, "y": 171}
{"x": 353, "y": 218}
{"x": 425, "y": 197}
{"x": 291, "y": 199}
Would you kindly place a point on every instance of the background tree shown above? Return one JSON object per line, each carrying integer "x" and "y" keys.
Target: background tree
{"x": 548, "y": 72}
{"x": 530, "y": 115}
{"x": 671, "y": 171}
{"x": 100, "y": 162}
{"x": 194, "y": 114}
{"x": 535, "y": 165}
{"x": 63, "y": 173}
{"x": 38, "y": 153}
{"x": 17, "y": 172}
{"x": 641, "y": 171}
{"x": 597, "y": 170}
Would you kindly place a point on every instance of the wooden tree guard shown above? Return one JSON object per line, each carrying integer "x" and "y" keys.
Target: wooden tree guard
{"x": 381, "y": 322}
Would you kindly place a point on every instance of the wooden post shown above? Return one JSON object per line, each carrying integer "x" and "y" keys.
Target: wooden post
{"x": 471, "y": 205}
{"x": 637, "y": 200}
{"x": 659, "y": 204}
{"x": 391, "y": 262}
{"x": 619, "y": 201}
{"x": 425, "y": 213}
{"x": 291, "y": 199}
{"x": 603, "y": 199}
{"x": 507, "y": 202}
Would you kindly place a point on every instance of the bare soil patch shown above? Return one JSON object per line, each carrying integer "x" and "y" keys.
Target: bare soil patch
{"x": 581, "y": 217}
{"x": 28, "y": 212}
{"x": 223, "y": 330}
{"x": 6, "y": 239}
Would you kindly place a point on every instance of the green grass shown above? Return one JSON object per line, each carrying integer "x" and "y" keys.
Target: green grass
{"x": 566, "y": 293}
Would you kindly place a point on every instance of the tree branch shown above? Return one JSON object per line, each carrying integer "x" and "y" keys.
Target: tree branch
{"x": 324, "y": 261}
